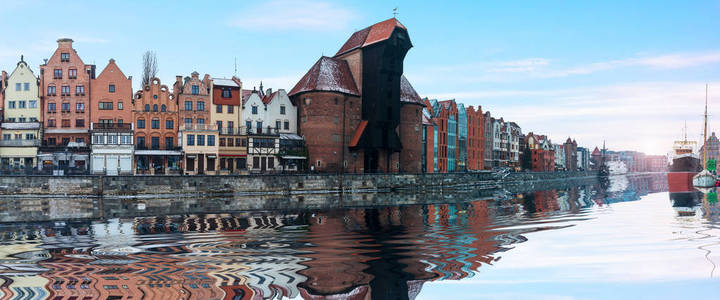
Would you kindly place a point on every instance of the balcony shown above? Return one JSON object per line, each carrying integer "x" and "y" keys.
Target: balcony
{"x": 20, "y": 143}
{"x": 233, "y": 131}
{"x": 199, "y": 127}
{"x": 263, "y": 131}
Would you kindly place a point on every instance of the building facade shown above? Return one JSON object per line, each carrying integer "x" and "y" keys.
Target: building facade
{"x": 65, "y": 92}
{"x": 227, "y": 116}
{"x": 570, "y": 150}
{"x": 195, "y": 129}
{"x": 476, "y": 137}
{"x": 540, "y": 153}
{"x": 155, "y": 114}
{"x": 22, "y": 126}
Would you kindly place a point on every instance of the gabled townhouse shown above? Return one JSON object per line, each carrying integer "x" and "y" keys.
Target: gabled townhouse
{"x": 489, "y": 142}
{"x": 462, "y": 138}
{"x": 111, "y": 127}
{"x": 197, "y": 135}
{"x": 22, "y": 126}
{"x": 226, "y": 97}
{"x": 540, "y": 153}
{"x": 155, "y": 114}
{"x": 430, "y": 141}
{"x": 476, "y": 134}
{"x": 65, "y": 92}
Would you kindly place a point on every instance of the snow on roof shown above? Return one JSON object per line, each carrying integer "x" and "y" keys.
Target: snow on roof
{"x": 408, "y": 93}
{"x": 224, "y": 82}
{"x": 328, "y": 75}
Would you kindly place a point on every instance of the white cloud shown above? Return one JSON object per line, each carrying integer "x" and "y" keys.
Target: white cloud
{"x": 293, "y": 15}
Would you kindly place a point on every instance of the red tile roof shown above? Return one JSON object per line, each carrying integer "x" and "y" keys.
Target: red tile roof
{"x": 408, "y": 93}
{"x": 268, "y": 98}
{"x": 370, "y": 35}
{"x": 358, "y": 133}
{"x": 327, "y": 75}
{"x": 246, "y": 95}
{"x": 596, "y": 152}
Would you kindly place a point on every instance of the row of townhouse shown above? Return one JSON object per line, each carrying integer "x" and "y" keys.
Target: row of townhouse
{"x": 66, "y": 119}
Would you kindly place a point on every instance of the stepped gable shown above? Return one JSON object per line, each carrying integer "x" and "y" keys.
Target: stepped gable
{"x": 327, "y": 75}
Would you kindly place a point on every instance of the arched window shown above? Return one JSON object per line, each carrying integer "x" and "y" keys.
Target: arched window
{"x": 163, "y": 107}
{"x": 147, "y": 107}
{"x": 154, "y": 107}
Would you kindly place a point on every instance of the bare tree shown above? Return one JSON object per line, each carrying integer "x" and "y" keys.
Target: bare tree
{"x": 150, "y": 67}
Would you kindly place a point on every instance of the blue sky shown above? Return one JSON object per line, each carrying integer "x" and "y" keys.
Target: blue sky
{"x": 630, "y": 73}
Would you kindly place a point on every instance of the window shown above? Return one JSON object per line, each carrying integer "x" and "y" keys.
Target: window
{"x": 11, "y": 104}
{"x": 33, "y": 119}
{"x": 222, "y": 144}
{"x": 336, "y": 138}
{"x": 111, "y": 88}
{"x": 195, "y": 90}
{"x": 270, "y": 163}
{"x": 147, "y": 107}
{"x": 190, "y": 140}
{"x": 258, "y": 125}
{"x": 141, "y": 142}
{"x": 282, "y": 109}
{"x": 18, "y": 86}
{"x": 57, "y": 74}
{"x": 169, "y": 143}
{"x": 65, "y": 90}
{"x": 120, "y": 106}
{"x": 254, "y": 110}
{"x": 201, "y": 106}
{"x": 230, "y": 109}
{"x": 65, "y": 141}
{"x": 51, "y": 123}
{"x": 226, "y": 92}
{"x": 211, "y": 140}
{"x": 219, "y": 125}
{"x": 51, "y": 107}
{"x": 188, "y": 121}
{"x": 51, "y": 90}
{"x": 140, "y": 123}
{"x": 286, "y": 125}
{"x": 155, "y": 107}
{"x": 188, "y": 105}
{"x": 22, "y": 104}
{"x": 79, "y": 123}
{"x": 105, "y": 105}
{"x": 163, "y": 108}
{"x": 277, "y": 124}
{"x": 72, "y": 73}
{"x": 155, "y": 123}
{"x": 218, "y": 108}
{"x": 64, "y": 57}
{"x": 80, "y": 90}
{"x": 126, "y": 139}
{"x": 200, "y": 140}
{"x": 256, "y": 162}
{"x": 201, "y": 121}
{"x": 32, "y": 104}
{"x": 22, "y": 120}
{"x": 230, "y": 124}
{"x": 51, "y": 141}
{"x": 6, "y": 136}
{"x": 155, "y": 142}
{"x": 230, "y": 142}
{"x": 169, "y": 124}
{"x": 79, "y": 107}
{"x": 66, "y": 123}
{"x": 66, "y": 107}
{"x": 26, "y": 86}
{"x": 248, "y": 125}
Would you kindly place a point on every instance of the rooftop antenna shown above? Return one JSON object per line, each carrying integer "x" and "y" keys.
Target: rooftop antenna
{"x": 395, "y": 12}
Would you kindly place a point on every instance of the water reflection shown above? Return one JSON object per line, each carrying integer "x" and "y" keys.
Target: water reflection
{"x": 360, "y": 253}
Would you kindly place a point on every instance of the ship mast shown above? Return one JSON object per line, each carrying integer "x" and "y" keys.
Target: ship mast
{"x": 705, "y": 132}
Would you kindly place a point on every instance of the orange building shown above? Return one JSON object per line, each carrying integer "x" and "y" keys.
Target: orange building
{"x": 476, "y": 139}
{"x": 155, "y": 113}
{"x": 65, "y": 92}
{"x": 111, "y": 96}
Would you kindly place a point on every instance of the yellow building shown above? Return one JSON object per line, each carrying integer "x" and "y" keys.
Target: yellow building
{"x": 21, "y": 127}
{"x": 200, "y": 148}
{"x": 226, "y": 112}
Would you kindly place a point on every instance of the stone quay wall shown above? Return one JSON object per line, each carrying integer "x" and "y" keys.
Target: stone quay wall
{"x": 148, "y": 186}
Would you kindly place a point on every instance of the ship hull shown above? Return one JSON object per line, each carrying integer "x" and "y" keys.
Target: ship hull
{"x": 680, "y": 181}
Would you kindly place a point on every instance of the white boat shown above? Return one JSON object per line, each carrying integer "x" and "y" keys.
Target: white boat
{"x": 704, "y": 179}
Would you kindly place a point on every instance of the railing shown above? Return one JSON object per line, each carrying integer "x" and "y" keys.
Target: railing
{"x": 20, "y": 143}
{"x": 111, "y": 126}
{"x": 204, "y": 127}
{"x": 263, "y": 131}
{"x": 233, "y": 131}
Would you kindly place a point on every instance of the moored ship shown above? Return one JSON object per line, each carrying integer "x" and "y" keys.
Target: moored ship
{"x": 685, "y": 164}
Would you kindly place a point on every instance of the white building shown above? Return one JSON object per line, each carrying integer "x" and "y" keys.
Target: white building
{"x": 112, "y": 148}
{"x": 559, "y": 155}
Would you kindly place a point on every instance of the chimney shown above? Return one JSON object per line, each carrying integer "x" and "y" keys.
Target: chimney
{"x": 65, "y": 42}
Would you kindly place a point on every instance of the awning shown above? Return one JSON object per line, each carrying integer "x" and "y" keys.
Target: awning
{"x": 293, "y": 157}
{"x": 158, "y": 152}
{"x": 211, "y": 156}
{"x": 290, "y": 136}
{"x": 190, "y": 156}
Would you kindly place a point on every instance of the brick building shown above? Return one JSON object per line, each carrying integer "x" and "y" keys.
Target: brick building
{"x": 476, "y": 135}
{"x": 430, "y": 145}
{"x": 65, "y": 92}
{"x": 539, "y": 153}
{"x": 570, "y": 150}
{"x": 155, "y": 113}
{"x": 227, "y": 101}
{"x": 350, "y": 105}
{"x": 713, "y": 148}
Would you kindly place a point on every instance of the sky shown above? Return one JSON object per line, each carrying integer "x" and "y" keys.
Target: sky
{"x": 627, "y": 72}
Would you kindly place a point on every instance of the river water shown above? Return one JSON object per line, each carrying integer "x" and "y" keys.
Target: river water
{"x": 624, "y": 239}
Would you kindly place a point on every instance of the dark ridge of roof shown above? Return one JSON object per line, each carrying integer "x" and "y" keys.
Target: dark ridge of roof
{"x": 327, "y": 75}
{"x": 376, "y": 33}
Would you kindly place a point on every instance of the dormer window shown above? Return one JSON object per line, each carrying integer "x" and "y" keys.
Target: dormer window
{"x": 195, "y": 90}
{"x": 254, "y": 110}
{"x": 282, "y": 109}
{"x": 64, "y": 57}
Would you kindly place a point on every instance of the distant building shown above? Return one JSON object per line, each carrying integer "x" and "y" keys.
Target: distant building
{"x": 541, "y": 153}
{"x": 713, "y": 148}
{"x": 570, "y": 152}
{"x": 656, "y": 163}
{"x": 583, "y": 158}
{"x": 22, "y": 126}
{"x": 559, "y": 157}
{"x": 489, "y": 141}
{"x": 430, "y": 143}
{"x": 476, "y": 137}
